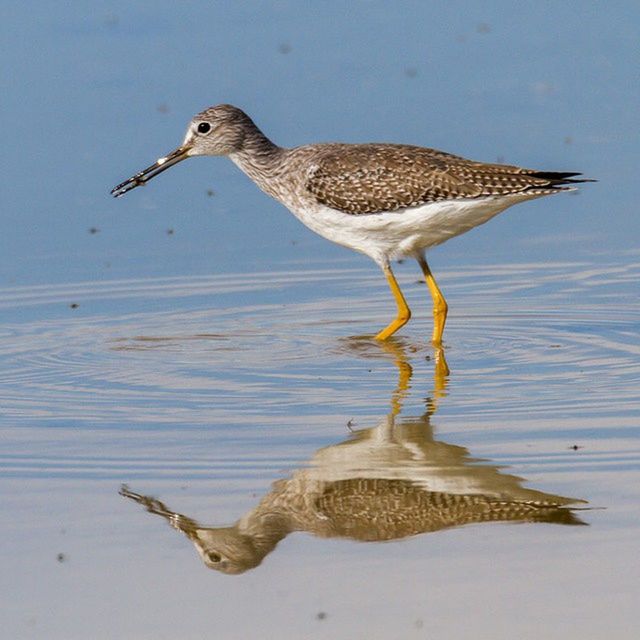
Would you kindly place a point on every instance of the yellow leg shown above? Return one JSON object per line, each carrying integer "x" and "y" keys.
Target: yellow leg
{"x": 440, "y": 305}
{"x": 404, "y": 313}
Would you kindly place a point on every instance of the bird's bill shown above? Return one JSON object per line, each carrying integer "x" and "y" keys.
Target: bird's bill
{"x": 157, "y": 167}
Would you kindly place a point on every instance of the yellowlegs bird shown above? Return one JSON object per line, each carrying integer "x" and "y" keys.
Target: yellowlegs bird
{"x": 387, "y": 201}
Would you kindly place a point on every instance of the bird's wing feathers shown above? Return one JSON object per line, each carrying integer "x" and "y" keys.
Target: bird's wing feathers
{"x": 361, "y": 179}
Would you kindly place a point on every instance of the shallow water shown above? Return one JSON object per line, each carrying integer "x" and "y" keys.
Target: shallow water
{"x": 356, "y": 473}
{"x": 256, "y": 427}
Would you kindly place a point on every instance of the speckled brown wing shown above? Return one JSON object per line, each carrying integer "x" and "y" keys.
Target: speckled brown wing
{"x": 385, "y": 509}
{"x": 371, "y": 178}
{"x": 361, "y": 179}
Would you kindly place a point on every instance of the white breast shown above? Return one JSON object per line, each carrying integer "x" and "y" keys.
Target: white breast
{"x": 406, "y": 232}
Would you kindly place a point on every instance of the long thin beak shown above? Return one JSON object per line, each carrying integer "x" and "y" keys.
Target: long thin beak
{"x": 145, "y": 175}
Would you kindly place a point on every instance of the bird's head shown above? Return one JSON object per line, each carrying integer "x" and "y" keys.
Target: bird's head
{"x": 216, "y": 131}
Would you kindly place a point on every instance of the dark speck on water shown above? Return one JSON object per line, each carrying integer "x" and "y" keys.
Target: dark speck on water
{"x": 111, "y": 20}
{"x": 223, "y": 372}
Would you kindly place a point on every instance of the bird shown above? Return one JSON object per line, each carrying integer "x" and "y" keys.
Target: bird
{"x": 387, "y": 201}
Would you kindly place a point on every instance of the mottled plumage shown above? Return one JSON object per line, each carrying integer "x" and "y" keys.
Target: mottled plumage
{"x": 384, "y": 200}
{"x": 372, "y": 178}
{"x": 358, "y": 508}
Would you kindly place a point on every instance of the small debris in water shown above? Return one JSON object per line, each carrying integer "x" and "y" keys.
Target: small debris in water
{"x": 321, "y": 615}
{"x": 162, "y": 108}
{"x": 575, "y": 447}
{"x": 284, "y": 48}
{"x": 61, "y": 557}
{"x": 411, "y": 72}
{"x": 94, "y": 230}
{"x": 483, "y": 27}
{"x": 111, "y": 20}
{"x": 211, "y": 192}
{"x": 542, "y": 88}
{"x": 169, "y": 232}
{"x": 74, "y": 305}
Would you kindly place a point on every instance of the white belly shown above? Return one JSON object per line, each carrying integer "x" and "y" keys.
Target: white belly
{"x": 407, "y": 232}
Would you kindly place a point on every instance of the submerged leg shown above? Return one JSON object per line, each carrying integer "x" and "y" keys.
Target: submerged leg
{"x": 404, "y": 313}
{"x": 440, "y": 306}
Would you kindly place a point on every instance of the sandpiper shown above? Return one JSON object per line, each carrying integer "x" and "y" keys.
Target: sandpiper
{"x": 387, "y": 201}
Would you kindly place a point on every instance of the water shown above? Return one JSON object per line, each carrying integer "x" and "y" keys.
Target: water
{"x": 169, "y": 396}
{"x": 198, "y": 437}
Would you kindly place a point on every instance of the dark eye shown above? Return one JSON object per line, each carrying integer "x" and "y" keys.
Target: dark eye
{"x": 213, "y": 556}
{"x": 204, "y": 127}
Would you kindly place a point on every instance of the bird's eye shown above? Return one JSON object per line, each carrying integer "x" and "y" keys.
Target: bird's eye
{"x": 214, "y": 557}
{"x": 204, "y": 127}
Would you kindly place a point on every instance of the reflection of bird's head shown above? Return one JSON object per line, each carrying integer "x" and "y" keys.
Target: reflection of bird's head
{"x": 227, "y": 550}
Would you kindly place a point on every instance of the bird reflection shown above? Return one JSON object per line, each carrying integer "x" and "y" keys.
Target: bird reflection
{"x": 382, "y": 483}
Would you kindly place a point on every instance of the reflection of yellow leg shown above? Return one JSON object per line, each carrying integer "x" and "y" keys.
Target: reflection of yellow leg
{"x": 405, "y": 371}
{"x": 397, "y": 349}
{"x": 440, "y": 306}
{"x": 440, "y": 374}
{"x": 404, "y": 313}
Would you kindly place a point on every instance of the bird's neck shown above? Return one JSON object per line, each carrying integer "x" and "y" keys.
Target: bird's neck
{"x": 261, "y": 160}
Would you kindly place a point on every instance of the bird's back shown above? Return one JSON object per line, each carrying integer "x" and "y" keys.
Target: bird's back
{"x": 372, "y": 178}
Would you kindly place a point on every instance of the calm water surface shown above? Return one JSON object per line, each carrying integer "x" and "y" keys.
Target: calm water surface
{"x": 198, "y": 440}
{"x": 331, "y": 474}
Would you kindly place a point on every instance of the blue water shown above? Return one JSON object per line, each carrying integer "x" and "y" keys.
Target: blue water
{"x": 196, "y": 343}
{"x": 99, "y": 92}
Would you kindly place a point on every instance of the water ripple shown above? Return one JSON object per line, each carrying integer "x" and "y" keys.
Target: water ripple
{"x": 521, "y": 340}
